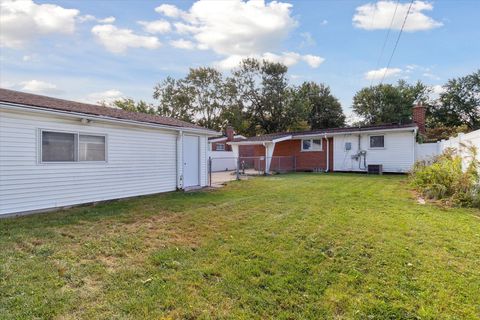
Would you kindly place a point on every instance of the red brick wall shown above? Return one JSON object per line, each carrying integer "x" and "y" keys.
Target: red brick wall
{"x": 304, "y": 161}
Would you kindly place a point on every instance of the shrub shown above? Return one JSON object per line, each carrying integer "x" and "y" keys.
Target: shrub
{"x": 444, "y": 179}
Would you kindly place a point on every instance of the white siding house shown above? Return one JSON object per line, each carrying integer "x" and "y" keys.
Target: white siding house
{"x": 396, "y": 154}
{"x": 106, "y": 158}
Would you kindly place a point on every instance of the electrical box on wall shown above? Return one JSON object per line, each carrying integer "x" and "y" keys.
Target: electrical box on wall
{"x": 348, "y": 146}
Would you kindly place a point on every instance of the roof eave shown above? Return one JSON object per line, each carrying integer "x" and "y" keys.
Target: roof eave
{"x": 16, "y": 106}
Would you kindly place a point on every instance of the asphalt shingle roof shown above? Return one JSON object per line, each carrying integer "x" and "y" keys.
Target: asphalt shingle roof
{"x": 273, "y": 136}
{"x": 34, "y": 100}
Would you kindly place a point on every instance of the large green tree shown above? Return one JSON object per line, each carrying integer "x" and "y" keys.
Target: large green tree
{"x": 459, "y": 103}
{"x": 386, "y": 103}
{"x": 263, "y": 88}
{"x": 174, "y": 99}
{"x": 322, "y": 108}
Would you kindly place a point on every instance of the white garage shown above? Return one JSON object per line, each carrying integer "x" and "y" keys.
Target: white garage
{"x": 56, "y": 153}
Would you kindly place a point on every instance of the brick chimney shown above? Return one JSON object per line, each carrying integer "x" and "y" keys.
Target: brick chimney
{"x": 418, "y": 115}
{"x": 230, "y": 134}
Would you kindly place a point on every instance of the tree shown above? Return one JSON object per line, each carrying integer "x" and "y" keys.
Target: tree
{"x": 459, "y": 104}
{"x": 129, "y": 104}
{"x": 264, "y": 91}
{"x": 205, "y": 87}
{"x": 174, "y": 99}
{"x": 386, "y": 103}
{"x": 323, "y": 109}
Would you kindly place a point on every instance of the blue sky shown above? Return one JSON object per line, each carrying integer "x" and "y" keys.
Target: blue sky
{"x": 102, "y": 50}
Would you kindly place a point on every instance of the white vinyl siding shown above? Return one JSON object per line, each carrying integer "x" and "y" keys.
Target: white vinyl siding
{"x": 140, "y": 161}
{"x": 397, "y": 155}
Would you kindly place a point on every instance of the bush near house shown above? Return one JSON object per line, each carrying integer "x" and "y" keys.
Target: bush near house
{"x": 444, "y": 179}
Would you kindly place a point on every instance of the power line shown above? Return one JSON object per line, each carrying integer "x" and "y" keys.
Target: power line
{"x": 398, "y": 39}
{"x": 386, "y": 40}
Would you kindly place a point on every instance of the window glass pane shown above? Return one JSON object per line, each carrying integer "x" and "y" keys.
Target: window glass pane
{"x": 376, "y": 141}
{"x": 91, "y": 148}
{"x": 58, "y": 146}
{"x": 220, "y": 147}
{"x": 317, "y": 144}
{"x": 306, "y": 144}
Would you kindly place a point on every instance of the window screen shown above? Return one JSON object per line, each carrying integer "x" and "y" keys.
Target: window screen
{"x": 58, "y": 146}
{"x": 377, "y": 141}
{"x": 316, "y": 144}
{"x": 91, "y": 148}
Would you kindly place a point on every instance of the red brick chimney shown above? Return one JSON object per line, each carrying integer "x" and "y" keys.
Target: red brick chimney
{"x": 230, "y": 136}
{"x": 418, "y": 115}
{"x": 230, "y": 132}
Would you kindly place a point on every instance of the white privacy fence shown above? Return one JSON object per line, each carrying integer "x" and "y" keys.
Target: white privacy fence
{"x": 426, "y": 151}
{"x": 222, "y": 160}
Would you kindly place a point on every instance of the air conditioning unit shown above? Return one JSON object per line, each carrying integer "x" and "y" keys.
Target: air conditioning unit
{"x": 375, "y": 169}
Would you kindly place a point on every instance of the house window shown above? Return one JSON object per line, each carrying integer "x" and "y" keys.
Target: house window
{"x": 311, "y": 144}
{"x": 72, "y": 147}
{"x": 58, "y": 146}
{"x": 377, "y": 141}
{"x": 220, "y": 147}
{"x": 91, "y": 148}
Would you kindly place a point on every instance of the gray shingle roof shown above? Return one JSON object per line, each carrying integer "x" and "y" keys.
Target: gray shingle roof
{"x": 35, "y": 100}
{"x": 273, "y": 136}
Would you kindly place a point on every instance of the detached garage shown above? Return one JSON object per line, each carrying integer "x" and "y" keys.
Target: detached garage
{"x": 56, "y": 153}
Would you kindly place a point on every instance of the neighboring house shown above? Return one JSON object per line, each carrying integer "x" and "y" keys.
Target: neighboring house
{"x": 391, "y": 146}
{"x": 220, "y": 143}
{"x": 56, "y": 153}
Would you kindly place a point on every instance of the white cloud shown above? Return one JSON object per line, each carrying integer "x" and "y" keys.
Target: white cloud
{"x": 238, "y": 29}
{"x": 37, "y": 86}
{"x": 307, "y": 39}
{"x": 169, "y": 10}
{"x": 182, "y": 44}
{"x": 119, "y": 40}
{"x": 378, "y": 74}
{"x": 108, "y": 96}
{"x": 313, "y": 61}
{"x": 158, "y": 26}
{"x": 22, "y": 21}
{"x": 286, "y": 58}
{"x": 375, "y": 16}
{"x": 89, "y": 17}
{"x": 234, "y": 27}
{"x": 436, "y": 91}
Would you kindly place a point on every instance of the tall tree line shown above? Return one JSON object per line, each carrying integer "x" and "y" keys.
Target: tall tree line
{"x": 456, "y": 109}
{"x": 255, "y": 98}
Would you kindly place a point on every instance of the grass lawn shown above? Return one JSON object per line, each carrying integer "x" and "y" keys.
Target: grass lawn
{"x": 285, "y": 247}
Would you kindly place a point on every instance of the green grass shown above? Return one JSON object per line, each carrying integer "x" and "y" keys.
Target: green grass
{"x": 284, "y": 247}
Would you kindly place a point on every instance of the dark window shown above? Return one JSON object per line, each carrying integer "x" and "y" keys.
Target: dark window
{"x": 377, "y": 141}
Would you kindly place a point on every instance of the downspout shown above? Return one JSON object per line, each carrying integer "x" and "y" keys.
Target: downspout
{"x": 328, "y": 154}
{"x": 179, "y": 159}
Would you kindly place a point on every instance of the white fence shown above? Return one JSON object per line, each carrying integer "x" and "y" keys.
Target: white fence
{"x": 222, "y": 160}
{"x": 426, "y": 151}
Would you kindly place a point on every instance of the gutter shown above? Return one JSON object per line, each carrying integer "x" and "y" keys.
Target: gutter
{"x": 13, "y": 106}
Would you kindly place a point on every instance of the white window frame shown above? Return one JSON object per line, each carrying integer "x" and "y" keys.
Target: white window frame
{"x": 219, "y": 144}
{"x": 370, "y": 142}
{"x": 77, "y": 139}
{"x": 311, "y": 143}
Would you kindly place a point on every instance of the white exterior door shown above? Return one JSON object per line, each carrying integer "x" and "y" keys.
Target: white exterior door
{"x": 191, "y": 161}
